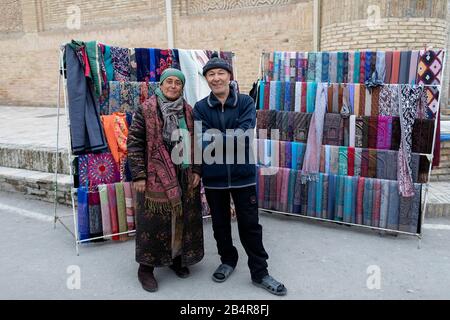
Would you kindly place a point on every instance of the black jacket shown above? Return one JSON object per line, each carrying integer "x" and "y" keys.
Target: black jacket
{"x": 238, "y": 112}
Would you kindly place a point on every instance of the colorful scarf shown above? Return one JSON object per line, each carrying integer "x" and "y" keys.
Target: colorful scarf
{"x": 384, "y": 132}
{"x": 312, "y": 88}
{"x": 83, "y": 213}
{"x": 291, "y": 190}
{"x": 368, "y": 201}
{"x": 324, "y": 196}
{"x": 412, "y": 79}
{"x": 96, "y": 169}
{"x": 301, "y": 124}
{"x": 104, "y": 204}
{"x": 331, "y": 205}
{"x": 129, "y": 205}
{"x": 116, "y": 131}
{"x": 388, "y": 63}
{"x": 396, "y": 133}
{"x": 372, "y": 169}
{"x": 273, "y": 94}
{"x": 121, "y": 209}
{"x": 340, "y": 67}
{"x": 376, "y": 203}
{"x": 408, "y": 109}
{"x": 373, "y": 127}
{"x": 429, "y": 70}
{"x": 319, "y": 197}
{"x": 349, "y": 200}
{"x": 332, "y": 131}
{"x": 405, "y": 59}
{"x": 95, "y": 215}
{"x": 312, "y": 154}
{"x": 333, "y": 67}
{"x": 394, "y": 206}
{"x": 339, "y": 206}
{"x": 318, "y": 77}
{"x": 343, "y": 161}
{"x": 311, "y": 66}
{"x": 298, "y": 96}
{"x": 325, "y": 67}
{"x": 113, "y": 210}
{"x": 384, "y": 205}
{"x": 409, "y": 214}
{"x": 395, "y": 67}
{"x": 121, "y": 63}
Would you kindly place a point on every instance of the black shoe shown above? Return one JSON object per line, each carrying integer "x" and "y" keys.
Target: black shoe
{"x": 182, "y": 272}
{"x": 147, "y": 279}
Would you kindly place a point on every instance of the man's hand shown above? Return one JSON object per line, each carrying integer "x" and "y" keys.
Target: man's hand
{"x": 195, "y": 180}
{"x": 139, "y": 185}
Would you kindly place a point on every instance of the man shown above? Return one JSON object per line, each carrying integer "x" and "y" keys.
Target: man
{"x": 226, "y": 109}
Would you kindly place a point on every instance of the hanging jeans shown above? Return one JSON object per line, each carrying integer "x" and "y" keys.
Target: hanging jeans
{"x": 250, "y": 231}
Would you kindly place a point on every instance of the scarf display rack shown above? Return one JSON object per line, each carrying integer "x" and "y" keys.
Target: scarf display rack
{"x": 287, "y": 98}
{"x": 193, "y": 61}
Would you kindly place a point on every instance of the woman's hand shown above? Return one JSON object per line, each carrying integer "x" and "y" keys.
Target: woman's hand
{"x": 139, "y": 185}
{"x": 195, "y": 180}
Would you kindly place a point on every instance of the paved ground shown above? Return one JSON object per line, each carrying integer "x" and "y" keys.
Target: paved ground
{"x": 315, "y": 260}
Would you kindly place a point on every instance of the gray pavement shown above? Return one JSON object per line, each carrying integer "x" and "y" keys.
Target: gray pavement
{"x": 315, "y": 260}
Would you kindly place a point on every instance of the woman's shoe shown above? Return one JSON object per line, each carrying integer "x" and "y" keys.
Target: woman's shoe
{"x": 147, "y": 279}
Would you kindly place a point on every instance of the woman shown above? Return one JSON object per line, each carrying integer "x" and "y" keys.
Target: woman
{"x": 169, "y": 229}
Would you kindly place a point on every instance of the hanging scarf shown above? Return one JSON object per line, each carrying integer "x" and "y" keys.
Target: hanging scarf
{"x": 312, "y": 155}
{"x": 368, "y": 202}
{"x": 325, "y": 67}
{"x": 333, "y": 67}
{"x": 409, "y": 211}
{"x": 405, "y": 59}
{"x": 394, "y": 205}
{"x": 121, "y": 210}
{"x": 104, "y": 205}
{"x": 358, "y": 156}
{"x": 384, "y": 206}
{"x": 429, "y": 70}
{"x": 388, "y": 64}
{"x": 376, "y": 203}
{"x": 359, "y": 201}
{"x": 112, "y": 199}
{"x": 408, "y": 109}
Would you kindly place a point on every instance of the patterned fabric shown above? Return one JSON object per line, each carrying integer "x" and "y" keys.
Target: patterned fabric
{"x": 133, "y": 64}
{"x": 429, "y": 70}
{"x": 104, "y": 205}
{"x": 121, "y": 63}
{"x": 96, "y": 169}
{"x": 388, "y": 101}
{"x": 332, "y": 133}
{"x": 116, "y": 132}
{"x": 408, "y": 109}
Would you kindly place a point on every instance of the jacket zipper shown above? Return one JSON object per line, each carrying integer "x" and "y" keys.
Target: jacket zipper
{"x": 228, "y": 168}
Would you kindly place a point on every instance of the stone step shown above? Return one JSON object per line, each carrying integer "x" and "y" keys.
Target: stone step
{"x": 33, "y": 158}
{"x": 36, "y": 185}
{"x": 40, "y": 185}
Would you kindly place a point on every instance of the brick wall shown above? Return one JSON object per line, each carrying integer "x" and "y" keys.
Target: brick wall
{"x": 246, "y": 31}
{"x": 30, "y": 55}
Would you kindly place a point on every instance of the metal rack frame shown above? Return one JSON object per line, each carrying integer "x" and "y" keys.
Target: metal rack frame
{"x": 424, "y": 195}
